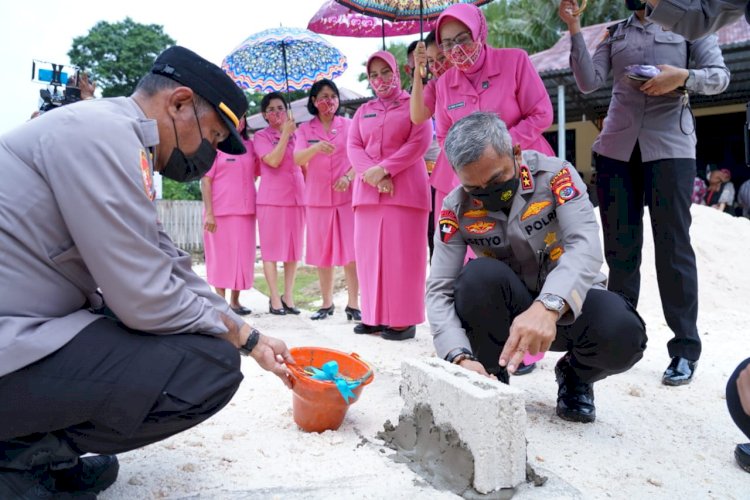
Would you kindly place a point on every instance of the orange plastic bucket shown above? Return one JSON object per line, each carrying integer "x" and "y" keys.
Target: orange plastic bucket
{"x": 318, "y": 405}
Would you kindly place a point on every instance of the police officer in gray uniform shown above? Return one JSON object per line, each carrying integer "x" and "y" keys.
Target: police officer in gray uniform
{"x": 696, "y": 18}
{"x": 646, "y": 154}
{"x": 79, "y": 236}
{"x": 535, "y": 285}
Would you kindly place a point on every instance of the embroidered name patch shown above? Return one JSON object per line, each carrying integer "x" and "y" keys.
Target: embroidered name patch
{"x": 448, "y": 224}
{"x": 371, "y": 115}
{"x": 456, "y": 105}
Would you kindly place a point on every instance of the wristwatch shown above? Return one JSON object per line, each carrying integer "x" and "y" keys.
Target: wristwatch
{"x": 552, "y": 303}
{"x": 250, "y": 343}
{"x": 690, "y": 79}
{"x": 459, "y": 354}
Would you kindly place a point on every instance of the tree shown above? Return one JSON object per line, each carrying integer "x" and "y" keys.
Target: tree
{"x": 534, "y": 25}
{"x": 118, "y": 54}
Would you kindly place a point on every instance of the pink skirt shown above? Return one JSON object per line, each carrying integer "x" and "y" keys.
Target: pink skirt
{"x": 230, "y": 252}
{"x": 391, "y": 251}
{"x": 280, "y": 230}
{"x": 330, "y": 235}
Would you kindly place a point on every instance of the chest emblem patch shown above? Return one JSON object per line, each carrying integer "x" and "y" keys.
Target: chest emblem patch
{"x": 535, "y": 208}
{"x": 480, "y": 227}
{"x": 475, "y": 214}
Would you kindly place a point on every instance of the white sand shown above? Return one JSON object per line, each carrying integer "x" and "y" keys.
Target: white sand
{"x": 649, "y": 441}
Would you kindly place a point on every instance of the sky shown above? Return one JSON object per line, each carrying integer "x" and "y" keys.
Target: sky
{"x": 44, "y": 30}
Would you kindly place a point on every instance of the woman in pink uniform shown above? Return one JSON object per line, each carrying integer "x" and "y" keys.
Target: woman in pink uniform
{"x": 391, "y": 204}
{"x": 486, "y": 79}
{"x": 280, "y": 206}
{"x": 320, "y": 147}
{"x": 229, "y": 222}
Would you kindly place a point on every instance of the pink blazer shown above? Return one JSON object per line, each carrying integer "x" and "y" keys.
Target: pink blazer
{"x": 324, "y": 170}
{"x": 283, "y": 186}
{"x": 509, "y": 86}
{"x": 383, "y": 134}
{"x": 233, "y": 182}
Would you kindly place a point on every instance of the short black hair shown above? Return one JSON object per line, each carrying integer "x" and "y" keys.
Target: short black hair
{"x": 412, "y": 46}
{"x": 268, "y": 98}
{"x": 431, "y": 38}
{"x": 315, "y": 90}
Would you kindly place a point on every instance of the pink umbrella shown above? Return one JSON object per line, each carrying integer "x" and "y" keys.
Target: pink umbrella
{"x": 334, "y": 19}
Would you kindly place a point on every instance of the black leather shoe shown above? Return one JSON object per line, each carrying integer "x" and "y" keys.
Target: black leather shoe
{"x": 353, "y": 314}
{"x": 289, "y": 310}
{"x": 742, "y": 455}
{"x": 242, "y": 311}
{"x": 524, "y": 369}
{"x": 279, "y": 312}
{"x": 679, "y": 372}
{"x": 90, "y": 474}
{"x": 391, "y": 334}
{"x": 323, "y": 313}
{"x": 362, "y": 328}
{"x": 575, "y": 399}
{"x": 33, "y": 484}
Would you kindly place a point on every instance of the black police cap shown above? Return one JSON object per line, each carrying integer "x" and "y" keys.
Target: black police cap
{"x": 212, "y": 84}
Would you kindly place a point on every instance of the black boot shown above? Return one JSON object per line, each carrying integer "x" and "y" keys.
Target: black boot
{"x": 33, "y": 484}
{"x": 91, "y": 474}
{"x": 575, "y": 399}
{"x": 679, "y": 372}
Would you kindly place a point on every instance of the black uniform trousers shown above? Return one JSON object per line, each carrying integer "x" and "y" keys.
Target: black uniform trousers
{"x": 607, "y": 338}
{"x": 665, "y": 186}
{"x": 110, "y": 390}
{"x": 739, "y": 416}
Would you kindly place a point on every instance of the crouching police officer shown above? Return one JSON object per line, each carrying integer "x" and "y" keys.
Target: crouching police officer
{"x": 535, "y": 285}
{"x": 78, "y": 215}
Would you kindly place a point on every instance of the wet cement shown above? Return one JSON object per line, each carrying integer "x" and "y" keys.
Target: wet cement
{"x": 436, "y": 453}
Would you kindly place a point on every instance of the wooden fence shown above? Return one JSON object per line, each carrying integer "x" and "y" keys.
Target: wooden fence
{"x": 183, "y": 222}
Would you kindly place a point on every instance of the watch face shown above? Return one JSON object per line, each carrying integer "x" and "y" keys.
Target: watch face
{"x": 553, "y": 302}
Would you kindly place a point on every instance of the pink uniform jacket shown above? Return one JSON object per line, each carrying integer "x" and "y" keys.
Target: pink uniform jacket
{"x": 283, "y": 186}
{"x": 323, "y": 170}
{"x": 383, "y": 134}
{"x": 233, "y": 182}
{"x": 508, "y": 85}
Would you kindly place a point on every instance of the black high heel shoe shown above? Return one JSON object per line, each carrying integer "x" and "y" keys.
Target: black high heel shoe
{"x": 278, "y": 312}
{"x": 323, "y": 312}
{"x": 289, "y": 310}
{"x": 353, "y": 314}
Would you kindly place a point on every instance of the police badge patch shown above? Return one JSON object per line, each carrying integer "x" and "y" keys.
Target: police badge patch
{"x": 448, "y": 224}
{"x": 563, "y": 187}
{"x": 148, "y": 181}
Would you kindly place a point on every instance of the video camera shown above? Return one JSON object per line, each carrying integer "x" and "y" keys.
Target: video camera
{"x": 55, "y": 76}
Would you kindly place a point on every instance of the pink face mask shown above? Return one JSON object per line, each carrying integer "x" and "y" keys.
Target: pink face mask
{"x": 276, "y": 118}
{"x": 327, "y": 107}
{"x": 382, "y": 88}
{"x": 464, "y": 56}
{"x": 439, "y": 67}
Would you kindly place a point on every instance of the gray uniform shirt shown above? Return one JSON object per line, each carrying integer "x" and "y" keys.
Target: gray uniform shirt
{"x": 75, "y": 215}
{"x": 550, "y": 239}
{"x": 696, "y": 18}
{"x": 654, "y": 122}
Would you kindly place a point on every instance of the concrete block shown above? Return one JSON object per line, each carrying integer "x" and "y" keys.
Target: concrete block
{"x": 489, "y": 417}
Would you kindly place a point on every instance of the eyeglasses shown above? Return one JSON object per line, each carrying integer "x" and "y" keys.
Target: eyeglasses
{"x": 463, "y": 38}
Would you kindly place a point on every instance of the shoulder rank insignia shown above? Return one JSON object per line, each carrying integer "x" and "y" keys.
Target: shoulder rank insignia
{"x": 563, "y": 187}
{"x": 535, "y": 208}
{"x": 527, "y": 183}
{"x": 448, "y": 224}
{"x": 148, "y": 181}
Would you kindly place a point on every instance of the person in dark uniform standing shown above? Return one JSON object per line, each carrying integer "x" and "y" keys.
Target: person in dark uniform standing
{"x": 535, "y": 285}
{"x": 108, "y": 340}
{"x": 646, "y": 153}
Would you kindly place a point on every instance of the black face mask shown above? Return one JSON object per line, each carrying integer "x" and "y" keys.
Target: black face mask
{"x": 496, "y": 197}
{"x": 635, "y": 4}
{"x": 183, "y": 168}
